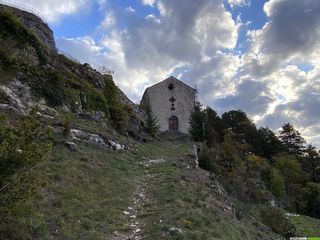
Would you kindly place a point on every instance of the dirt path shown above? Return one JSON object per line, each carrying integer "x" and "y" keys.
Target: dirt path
{"x": 140, "y": 198}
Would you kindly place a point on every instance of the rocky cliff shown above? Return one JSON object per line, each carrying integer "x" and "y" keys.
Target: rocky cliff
{"x": 34, "y": 23}
{"x": 33, "y": 73}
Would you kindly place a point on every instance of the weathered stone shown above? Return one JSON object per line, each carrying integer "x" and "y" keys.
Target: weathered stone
{"x": 161, "y": 160}
{"x": 33, "y": 22}
{"x": 71, "y": 145}
{"x": 95, "y": 116}
{"x": 17, "y": 98}
{"x": 13, "y": 100}
{"x": 175, "y": 230}
{"x": 83, "y": 136}
{"x": 172, "y": 102}
{"x": 95, "y": 139}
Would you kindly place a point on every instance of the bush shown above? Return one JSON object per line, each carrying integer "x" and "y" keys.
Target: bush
{"x": 207, "y": 160}
{"x": 53, "y": 88}
{"x": 275, "y": 219}
{"x": 117, "y": 113}
{"x": 93, "y": 100}
{"x": 22, "y": 145}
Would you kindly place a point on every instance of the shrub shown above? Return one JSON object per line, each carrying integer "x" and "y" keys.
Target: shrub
{"x": 207, "y": 160}
{"x": 93, "y": 100}
{"x": 275, "y": 219}
{"x": 66, "y": 125}
{"x": 22, "y": 145}
{"x": 117, "y": 113}
{"x": 53, "y": 88}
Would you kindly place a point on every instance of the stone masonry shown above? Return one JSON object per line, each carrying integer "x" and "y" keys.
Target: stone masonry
{"x": 172, "y": 102}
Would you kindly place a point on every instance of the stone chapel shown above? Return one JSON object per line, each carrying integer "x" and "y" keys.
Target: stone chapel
{"x": 172, "y": 102}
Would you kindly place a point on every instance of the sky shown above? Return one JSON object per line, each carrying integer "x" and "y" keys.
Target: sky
{"x": 256, "y": 55}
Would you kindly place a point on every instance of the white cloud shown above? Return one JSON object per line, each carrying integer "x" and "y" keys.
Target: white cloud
{"x": 148, "y": 2}
{"x": 241, "y": 3}
{"x": 52, "y": 10}
{"x": 130, "y": 9}
{"x": 196, "y": 41}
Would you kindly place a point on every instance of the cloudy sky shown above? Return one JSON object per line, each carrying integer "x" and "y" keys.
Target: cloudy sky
{"x": 259, "y": 56}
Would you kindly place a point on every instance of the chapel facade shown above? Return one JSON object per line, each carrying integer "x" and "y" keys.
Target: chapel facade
{"x": 172, "y": 102}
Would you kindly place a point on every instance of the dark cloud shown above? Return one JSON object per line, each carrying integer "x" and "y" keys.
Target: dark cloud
{"x": 294, "y": 27}
{"x": 250, "y": 96}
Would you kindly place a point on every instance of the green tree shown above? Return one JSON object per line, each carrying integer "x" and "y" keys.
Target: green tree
{"x": 291, "y": 139}
{"x": 268, "y": 144}
{"x": 213, "y": 127}
{"x": 276, "y": 183}
{"x": 151, "y": 122}
{"x": 206, "y": 125}
{"x": 197, "y": 121}
{"x": 241, "y": 125}
{"x": 313, "y": 199}
{"x": 290, "y": 168}
{"x": 312, "y": 161}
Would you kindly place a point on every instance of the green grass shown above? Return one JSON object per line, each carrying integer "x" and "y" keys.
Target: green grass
{"x": 84, "y": 197}
{"x": 306, "y": 226}
{"x": 182, "y": 198}
{"x": 87, "y": 190}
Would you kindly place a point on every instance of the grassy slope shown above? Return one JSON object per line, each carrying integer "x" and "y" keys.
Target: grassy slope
{"x": 306, "y": 226}
{"x": 88, "y": 190}
{"x": 183, "y": 198}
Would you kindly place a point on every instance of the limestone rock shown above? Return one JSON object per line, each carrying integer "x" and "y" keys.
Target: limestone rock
{"x": 71, "y": 145}
{"x": 17, "y": 97}
{"x": 95, "y": 116}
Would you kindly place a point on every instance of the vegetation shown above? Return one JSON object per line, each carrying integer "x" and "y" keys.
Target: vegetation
{"x": 24, "y": 144}
{"x": 115, "y": 108}
{"x": 49, "y": 76}
{"x": 13, "y": 29}
{"x": 277, "y": 221}
{"x": 246, "y": 154}
{"x": 152, "y": 126}
{"x": 50, "y": 191}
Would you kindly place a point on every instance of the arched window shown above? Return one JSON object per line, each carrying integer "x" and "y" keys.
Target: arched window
{"x": 173, "y": 123}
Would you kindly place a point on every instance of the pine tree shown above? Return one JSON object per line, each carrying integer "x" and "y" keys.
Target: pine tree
{"x": 291, "y": 139}
{"x": 152, "y": 122}
{"x": 313, "y": 161}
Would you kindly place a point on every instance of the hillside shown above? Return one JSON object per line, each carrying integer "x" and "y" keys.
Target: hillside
{"x": 77, "y": 161}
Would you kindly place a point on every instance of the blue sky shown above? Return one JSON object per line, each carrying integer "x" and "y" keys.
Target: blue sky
{"x": 259, "y": 56}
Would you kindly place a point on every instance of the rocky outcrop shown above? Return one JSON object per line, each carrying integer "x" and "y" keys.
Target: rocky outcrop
{"x": 95, "y": 139}
{"x": 17, "y": 98}
{"x": 34, "y": 23}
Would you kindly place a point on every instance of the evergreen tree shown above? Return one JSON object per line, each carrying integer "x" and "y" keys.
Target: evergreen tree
{"x": 152, "y": 122}
{"x": 312, "y": 161}
{"x": 197, "y": 121}
{"x": 238, "y": 122}
{"x": 213, "y": 127}
{"x": 291, "y": 139}
{"x": 268, "y": 144}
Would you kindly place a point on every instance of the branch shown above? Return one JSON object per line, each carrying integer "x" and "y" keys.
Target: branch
{"x": 4, "y": 187}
